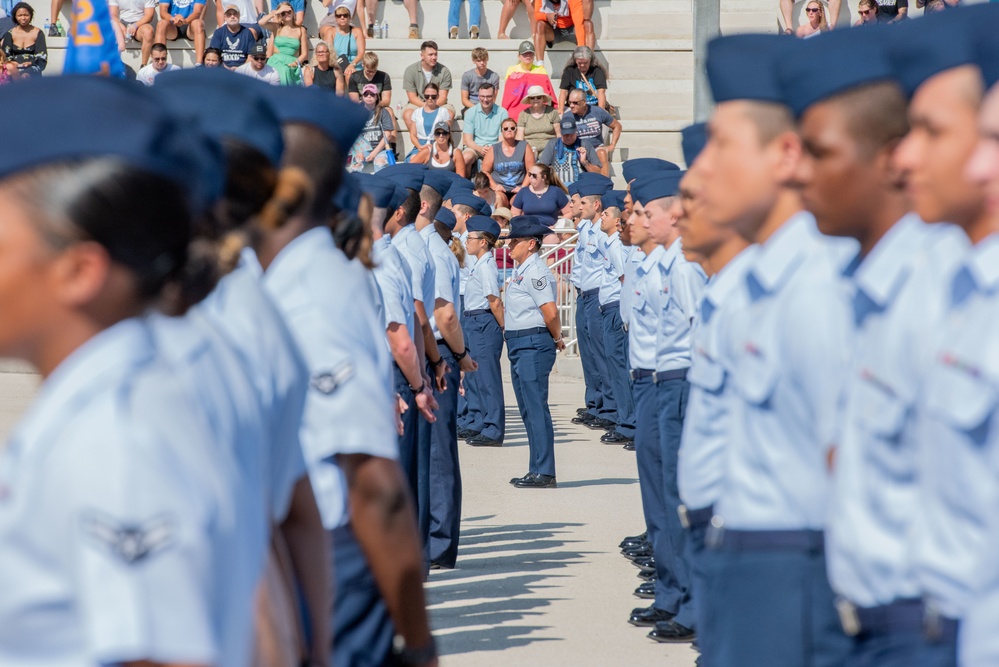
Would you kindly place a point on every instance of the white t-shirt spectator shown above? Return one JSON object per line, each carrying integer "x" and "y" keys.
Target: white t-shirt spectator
{"x": 148, "y": 73}
{"x": 130, "y": 11}
{"x": 425, "y": 121}
{"x": 268, "y": 74}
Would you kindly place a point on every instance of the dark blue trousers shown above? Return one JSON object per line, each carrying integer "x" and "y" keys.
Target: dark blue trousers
{"x": 940, "y": 653}
{"x": 486, "y": 411}
{"x": 650, "y": 466}
{"x": 408, "y": 453}
{"x": 616, "y": 357}
{"x": 595, "y": 332}
{"x": 688, "y": 616}
{"x": 531, "y": 361}
{"x": 362, "y": 627}
{"x": 896, "y": 649}
{"x": 594, "y": 399}
{"x": 445, "y": 473}
{"x": 670, "y": 545}
{"x": 771, "y": 608}
{"x": 469, "y": 380}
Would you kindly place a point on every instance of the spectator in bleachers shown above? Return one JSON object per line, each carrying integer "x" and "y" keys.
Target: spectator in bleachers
{"x": 482, "y": 188}
{"x": 569, "y": 155}
{"x": 539, "y": 123}
{"x": 329, "y": 21}
{"x": 159, "y": 64}
{"x": 590, "y": 123}
{"x": 213, "y": 58}
{"x": 545, "y": 196}
{"x": 816, "y": 15}
{"x": 475, "y": 77}
{"x": 348, "y": 41}
{"x": 526, "y": 63}
{"x": 560, "y": 21}
{"x": 935, "y": 5}
{"x": 234, "y": 39}
{"x": 8, "y": 70}
{"x": 440, "y": 153}
{"x": 419, "y": 74}
{"x": 133, "y": 19}
{"x": 24, "y": 45}
{"x": 584, "y": 73}
{"x": 325, "y": 73}
{"x": 370, "y": 74}
{"x": 371, "y": 148}
{"x": 257, "y": 67}
{"x": 893, "y": 11}
{"x": 250, "y": 11}
{"x": 509, "y": 9}
{"x": 482, "y": 125}
{"x": 371, "y": 7}
{"x": 423, "y": 121}
{"x": 787, "y": 7}
{"x": 868, "y": 11}
{"x": 506, "y": 164}
{"x": 288, "y": 47}
{"x": 182, "y": 19}
{"x": 474, "y": 17}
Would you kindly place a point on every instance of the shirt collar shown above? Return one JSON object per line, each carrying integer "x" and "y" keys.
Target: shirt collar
{"x": 882, "y": 273}
{"x": 780, "y": 255}
{"x": 248, "y": 259}
{"x": 530, "y": 260}
{"x": 652, "y": 259}
{"x": 983, "y": 264}
{"x": 427, "y": 231}
{"x": 317, "y": 236}
{"x": 724, "y": 283}
{"x": 672, "y": 253}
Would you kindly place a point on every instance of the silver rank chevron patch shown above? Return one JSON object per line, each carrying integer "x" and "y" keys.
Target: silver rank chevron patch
{"x": 540, "y": 283}
{"x": 329, "y": 381}
{"x": 130, "y": 543}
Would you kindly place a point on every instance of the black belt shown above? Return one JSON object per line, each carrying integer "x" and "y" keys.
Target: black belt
{"x": 906, "y": 616}
{"x": 590, "y": 292}
{"x": 480, "y": 311}
{"x": 663, "y": 376}
{"x": 612, "y": 304}
{"x": 639, "y": 373}
{"x": 443, "y": 343}
{"x": 695, "y": 518}
{"x": 525, "y": 332}
{"x": 764, "y": 540}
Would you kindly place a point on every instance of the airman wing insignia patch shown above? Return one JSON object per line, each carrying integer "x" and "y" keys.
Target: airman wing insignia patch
{"x": 327, "y": 382}
{"x": 130, "y": 543}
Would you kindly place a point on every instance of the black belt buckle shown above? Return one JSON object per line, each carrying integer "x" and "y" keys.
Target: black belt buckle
{"x": 848, "y": 617}
{"x": 715, "y": 533}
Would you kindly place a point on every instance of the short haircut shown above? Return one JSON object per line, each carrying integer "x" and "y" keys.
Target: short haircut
{"x": 432, "y": 199}
{"x": 410, "y": 208}
{"x": 876, "y": 114}
{"x": 370, "y": 60}
{"x": 487, "y": 86}
{"x": 770, "y": 118}
{"x": 579, "y": 94}
{"x": 429, "y": 44}
{"x": 463, "y": 208}
{"x": 479, "y": 53}
{"x": 158, "y": 47}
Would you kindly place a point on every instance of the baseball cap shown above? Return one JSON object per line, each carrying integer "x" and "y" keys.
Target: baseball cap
{"x": 525, "y": 47}
{"x": 258, "y": 50}
{"x": 369, "y": 88}
{"x": 568, "y": 125}
{"x": 231, "y": 8}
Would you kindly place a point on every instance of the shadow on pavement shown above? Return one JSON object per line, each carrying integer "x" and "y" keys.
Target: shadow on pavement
{"x": 483, "y": 604}
{"x": 603, "y": 481}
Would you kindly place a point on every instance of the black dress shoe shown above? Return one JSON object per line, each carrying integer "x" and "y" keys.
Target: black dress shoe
{"x": 649, "y": 616}
{"x": 634, "y": 544}
{"x": 537, "y": 482}
{"x": 644, "y": 537}
{"x": 583, "y": 419}
{"x": 629, "y": 446}
{"x": 643, "y": 562}
{"x": 521, "y": 479}
{"x": 647, "y": 574}
{"x": 646, "y": 591}
{"x": 582, "y": 411}
{"x": 637, "y": 552}
{"x": 464, "y": 433}
{"x": 614, "y": 438}
{"x": 600, "y": 424}
{"x": 482, "y": 441}
{"x": 671, "y": 632}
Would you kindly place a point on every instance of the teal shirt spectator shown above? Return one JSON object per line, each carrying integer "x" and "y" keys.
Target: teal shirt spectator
{"x": 484, "y": 128}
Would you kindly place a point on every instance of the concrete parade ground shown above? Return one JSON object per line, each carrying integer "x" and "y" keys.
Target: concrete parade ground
{"x": 539, "y": 579}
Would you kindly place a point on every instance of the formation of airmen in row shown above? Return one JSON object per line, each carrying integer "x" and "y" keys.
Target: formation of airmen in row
{"x": 814, "y": 374}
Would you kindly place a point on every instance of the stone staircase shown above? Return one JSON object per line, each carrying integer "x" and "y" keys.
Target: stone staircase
{"x": 647, "y": 46}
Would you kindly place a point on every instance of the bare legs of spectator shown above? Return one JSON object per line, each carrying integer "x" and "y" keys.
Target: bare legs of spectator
{"x": 143, "y": 35}
{"x": 414, "y": 29}
{"x": 834, "y": 6}
{"x": 785, "y": 11}
{"x": 587, "y": 11}
{"x": 371, "y": 9}
{"x": 167, "y": 32}
{"x": 510, "y": 8}
{"x": 589, "y": 36}
{"x": 327, "y": 33}
{"x": 543, "y": 34}
{"x": 56, "y": 6}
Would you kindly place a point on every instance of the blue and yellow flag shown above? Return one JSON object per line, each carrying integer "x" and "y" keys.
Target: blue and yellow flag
{"x": 92, "y": 47}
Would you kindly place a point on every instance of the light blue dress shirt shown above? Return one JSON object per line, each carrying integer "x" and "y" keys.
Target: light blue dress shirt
{"x": 112, "y": 494}
{"x": 243, "y": 311}
{"x": 482, "y": 282}
{"x": 897, "y": 302}
{"x": 575, "y": 275}
{"x": 643, "y": 322}
{"x": 788, "y": 350}
{"x": 682, "y": 285}
{"x": 447, "y": 274}
{"x": 958, "y": 437}
{"x": 612, "y": 261}
{"x": 701, "y": 466}
{"x": 531, "y": 287}
{"x": 466, "y": 268}
{"x": 413, "y": 249}
{"x": 588, "y": 256}
{"x": 633, "y": 257}
{"x": 327, "y": 302}
{"x": 395, "y": 282}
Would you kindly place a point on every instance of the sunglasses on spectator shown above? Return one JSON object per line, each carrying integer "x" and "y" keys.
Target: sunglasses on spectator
{"x": 812, "y": 10}
{"x": 533, "y": 175}
{"x": 510, "y": 129}
{"x": 369, "y": 94}
{"x": 430, "y": 97}
{"x": 342, "y": 16}
{"x": 573, "y": 103}
{"x": 260, "y": 59}
{"x": 865, "y": 12}
{"x": 160, "y": 60}
{"x": 441, "y": 133}
{"x": 287, "y": 12}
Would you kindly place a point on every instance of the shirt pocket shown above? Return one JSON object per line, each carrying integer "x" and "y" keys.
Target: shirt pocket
{"x": 880, "y": 411}
{"x": 962, "y": 397}
{"x": 705, "y": 373}
{"x": 756, "y": 375}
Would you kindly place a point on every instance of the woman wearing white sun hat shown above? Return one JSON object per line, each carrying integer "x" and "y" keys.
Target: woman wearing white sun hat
{"x": 539, "y": 123}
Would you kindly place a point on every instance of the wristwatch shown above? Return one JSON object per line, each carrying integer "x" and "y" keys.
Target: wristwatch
{"x": 458, "y": 356}
{"x": 437, "y": 363}
{"x": 422, "y": 386}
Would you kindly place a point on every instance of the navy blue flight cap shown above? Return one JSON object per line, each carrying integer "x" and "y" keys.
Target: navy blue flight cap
{"x": 527, "y": 226}
{"x": 593, "y": 188}
{"x": 225, "y": 105}
{"x": 694, "y": 137}
{"x": 638, "y": 166}
{"x": 348, "y": 195}
{"x": 468, "y": 199}
{"x": 986, "y": 49}
{"x": 446, "y": 217}
{"x": 438, "y": 180}
{"x": 614, "y": 198}
{"x": 380, "y": 189}
{"x": 941, "y": 41}
{"x": 407, "y": 178}
{"x": 658, "y": 186}
{"x": 849, "y": 58}
{"x": 457, "y": 189}
{"x": 339, "y": 119}
{"x": 589, "y": 179}
{"x": 741, "y": 67}
{"x": 483, "y": 224}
